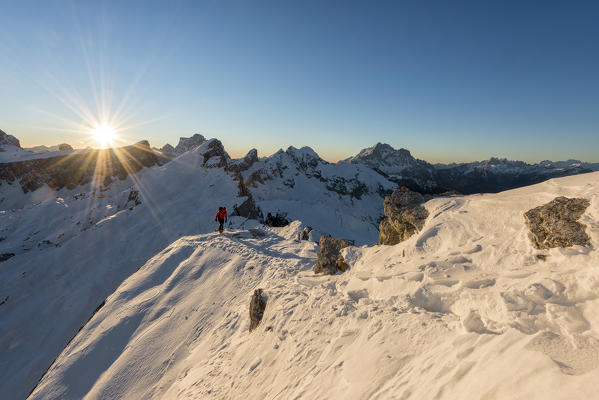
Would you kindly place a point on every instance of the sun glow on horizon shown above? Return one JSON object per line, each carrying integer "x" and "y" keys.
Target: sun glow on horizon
{"x": 104, "y": 134}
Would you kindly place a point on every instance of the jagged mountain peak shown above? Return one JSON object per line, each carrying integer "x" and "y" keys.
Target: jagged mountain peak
{"x": 6, "y": 139}
{"x": 185, "y": 144}
{"x": 305, "y": 154}
{"x": 383, "y": 154}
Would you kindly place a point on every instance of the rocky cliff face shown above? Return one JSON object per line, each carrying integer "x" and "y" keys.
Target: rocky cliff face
{"x": 404, "y": 216}
{"x": 70, "y": 171}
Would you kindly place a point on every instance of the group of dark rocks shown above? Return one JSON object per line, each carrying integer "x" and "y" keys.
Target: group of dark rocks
{"x": 554, "y": 224}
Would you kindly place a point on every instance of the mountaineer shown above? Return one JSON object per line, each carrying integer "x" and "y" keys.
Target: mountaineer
{"x": 221, "y": 217}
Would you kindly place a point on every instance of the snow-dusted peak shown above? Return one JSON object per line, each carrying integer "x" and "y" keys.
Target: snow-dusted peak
{"x": 185, "y": 144}
{"x": 213, "y": 153}
{"x": 502, "y": 163}
{"x": 382, "y": 151}
{"x": 168, "y": 149}
{"x": 243, "y": 164}
{"x": 49, "y": 149}
{"x": 381, "y": 155}
{"x": 6, "y": 139}
{"x": 398, "y": 165}
{"x": 305, "y": 155}
{"x": 10, "y": 148}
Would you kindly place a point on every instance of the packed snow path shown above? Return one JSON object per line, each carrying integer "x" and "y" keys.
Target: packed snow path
{"x": 467, "y": 309}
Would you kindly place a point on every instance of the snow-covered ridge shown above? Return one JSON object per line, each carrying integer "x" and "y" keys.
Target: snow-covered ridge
{"x": 49, "y": 149}
{"x": 65, "y": 256}
{"x": 467, "y": 308}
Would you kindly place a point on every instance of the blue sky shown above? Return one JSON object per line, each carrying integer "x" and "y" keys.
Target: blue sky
{"x": 450, "y": 81}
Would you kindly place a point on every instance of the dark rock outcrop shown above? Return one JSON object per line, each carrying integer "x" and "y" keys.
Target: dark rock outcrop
{"x": 555, "y": 224}
{"x": 64, "y": 147}
{"x": 404, "y": 216}
{"x": 6, "y": 139}
{"x": 327, "y": 259}
{"x": 304, "y": 234}
{"x": 215, "y": 156}
{"x": 248, "y": 209}
{"x": 257, "y": 307}
{"x": 278, "y": 220}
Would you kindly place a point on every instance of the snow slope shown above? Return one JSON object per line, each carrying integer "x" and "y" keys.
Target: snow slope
{"x": 72, "y": 252}
{"x": 463, "y": 310}
{"x": 72, "y": 248}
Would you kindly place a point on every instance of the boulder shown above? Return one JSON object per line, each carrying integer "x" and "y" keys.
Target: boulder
{"x": 404, "y": 216}
{"x": 257, "y": 307}
{"x": 328, "y": 255}
{"x": 555, "y": 224}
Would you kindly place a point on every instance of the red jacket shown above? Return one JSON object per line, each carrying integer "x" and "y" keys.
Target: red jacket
{"x": 221, "y": 215}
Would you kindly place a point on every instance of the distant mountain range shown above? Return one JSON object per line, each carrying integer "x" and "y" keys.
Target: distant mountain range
{"x": 377, "y": 169}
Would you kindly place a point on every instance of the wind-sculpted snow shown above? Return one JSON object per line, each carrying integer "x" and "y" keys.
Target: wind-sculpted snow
{"x": 464, "y": 309}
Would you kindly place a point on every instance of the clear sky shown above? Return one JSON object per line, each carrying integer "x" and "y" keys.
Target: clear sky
{"x": 448, "y": 80}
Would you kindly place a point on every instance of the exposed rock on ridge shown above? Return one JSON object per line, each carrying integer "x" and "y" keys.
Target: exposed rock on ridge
{"x": 257, "y": 307}
{"x": 328, "y": 259}
{"x": 555, "y": 224}
{"x": 245, "y": 163}
{"x": 215, "y": 156}
{"x": 404, "y": 216}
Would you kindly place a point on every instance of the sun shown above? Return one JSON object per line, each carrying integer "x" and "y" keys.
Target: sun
{"x": 104, "y": 134}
